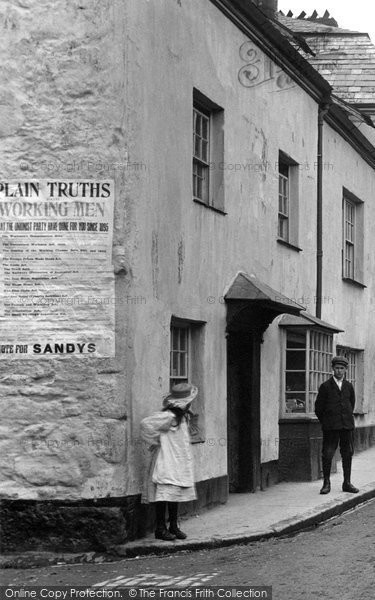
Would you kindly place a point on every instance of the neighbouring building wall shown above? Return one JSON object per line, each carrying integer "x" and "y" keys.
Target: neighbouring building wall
{"x": 347, "y": 305}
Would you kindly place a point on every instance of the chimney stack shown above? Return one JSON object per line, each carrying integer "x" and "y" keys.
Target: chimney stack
{"x": 267, "y": 6}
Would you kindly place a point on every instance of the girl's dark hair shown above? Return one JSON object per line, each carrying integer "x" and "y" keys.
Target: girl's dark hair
{"x": 178, "y": 413}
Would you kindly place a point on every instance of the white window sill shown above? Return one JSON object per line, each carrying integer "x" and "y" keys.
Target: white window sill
{"x": 209, "y": 206}
{"x": 288, "y": 245}
{"x": 354, "y": 282}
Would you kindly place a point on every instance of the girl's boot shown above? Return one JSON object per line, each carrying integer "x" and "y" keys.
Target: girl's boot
{"x": 161, "y": 531}
{"x": 173, "y": 526}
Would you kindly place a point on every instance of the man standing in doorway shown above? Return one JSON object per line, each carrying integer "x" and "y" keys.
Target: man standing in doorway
{"x": 334, "y": 407}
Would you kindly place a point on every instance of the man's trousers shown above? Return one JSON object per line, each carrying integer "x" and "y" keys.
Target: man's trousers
{"x": 331, "y": 440}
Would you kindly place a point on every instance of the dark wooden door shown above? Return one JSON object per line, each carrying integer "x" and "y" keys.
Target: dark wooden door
{"x": 240, "y": 358}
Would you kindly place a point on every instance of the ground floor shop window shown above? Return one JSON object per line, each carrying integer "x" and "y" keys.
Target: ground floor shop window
{"x": 308, "y": 355}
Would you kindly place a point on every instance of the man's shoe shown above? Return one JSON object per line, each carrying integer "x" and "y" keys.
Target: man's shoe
{"x": 348, "y": 487}
{"x": 326, "y": 487}
{"x": 164, "y": 534}
{"x": 180, "y": 535}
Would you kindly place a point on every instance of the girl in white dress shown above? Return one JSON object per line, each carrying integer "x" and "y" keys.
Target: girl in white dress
{"x": 170, "y": 473}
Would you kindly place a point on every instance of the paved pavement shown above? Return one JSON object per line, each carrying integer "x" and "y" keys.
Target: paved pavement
{"x": 280, "y": 510}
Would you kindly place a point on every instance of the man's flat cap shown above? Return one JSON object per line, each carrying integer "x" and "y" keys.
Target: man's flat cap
{"x": 340, "y": 360}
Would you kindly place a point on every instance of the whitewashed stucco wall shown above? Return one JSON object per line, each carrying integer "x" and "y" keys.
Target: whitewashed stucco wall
{"x": 349, "y": 307}
{"x": 187, "y": 253}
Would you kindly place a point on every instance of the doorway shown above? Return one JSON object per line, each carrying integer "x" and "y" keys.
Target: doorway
{"x": 243, "y": 418}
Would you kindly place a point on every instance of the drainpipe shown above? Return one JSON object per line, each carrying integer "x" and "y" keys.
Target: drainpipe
{"x": 323, "y": 110}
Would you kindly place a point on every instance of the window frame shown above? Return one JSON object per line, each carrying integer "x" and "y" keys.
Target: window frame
{"x": 211, "y": 164}
{"x": 195, "y": 374}
{"x": 288, "y": 194}
{"x": 198, "y": 161}
{"x": 173, "y": 379}
{"x": 355, "y": 241}
{"x": 349, "y": 240}
{"x": 284, "y": 203}
{"x": 319, "y": 375}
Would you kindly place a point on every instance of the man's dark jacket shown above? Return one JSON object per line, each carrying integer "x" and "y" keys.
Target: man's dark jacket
{"x": 334, "y": 407}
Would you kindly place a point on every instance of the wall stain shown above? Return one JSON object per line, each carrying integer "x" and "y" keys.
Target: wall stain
{"x": 259, "y": 144}
{"x": 155, "y": 264}
{"x": 181, "y": 258}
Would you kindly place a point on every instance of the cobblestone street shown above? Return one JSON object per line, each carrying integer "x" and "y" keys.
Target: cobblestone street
{"x": 334, "y": 561}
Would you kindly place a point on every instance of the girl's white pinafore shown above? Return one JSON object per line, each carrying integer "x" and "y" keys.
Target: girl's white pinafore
{"x": 169, "y": 474}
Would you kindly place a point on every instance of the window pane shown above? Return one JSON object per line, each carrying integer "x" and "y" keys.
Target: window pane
{"x": 283, "y": 168}
{"x": 295, "y": 360}
{"x": 175, "y": 363}
{"x": 197, "y": 147}
{"x": 286, "y": 187}
{"x": 296, "y": 340}
{"x": 204, "y": 128}
{"x": 198, "y": 124}
{"x": 349, "y": 259}
{"x": 183, "y": 365}
{"x": 200, "y": 181}
{"x": 199, "y": 188}
{"x": 295, "y": 381}
{"x": 295, "y": 402}
{"x": 204, "y": 151}
{"x": 174, "y": 332}
{"x": 196, "y": 187}
{"x": 183, "y": 339}
{"x": 283, "y": 228}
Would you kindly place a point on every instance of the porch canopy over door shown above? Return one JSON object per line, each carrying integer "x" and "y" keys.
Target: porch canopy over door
{"x": 251, "y": 307}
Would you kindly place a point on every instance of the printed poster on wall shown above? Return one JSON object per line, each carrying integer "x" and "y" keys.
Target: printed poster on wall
{"x": 57, "y": 294}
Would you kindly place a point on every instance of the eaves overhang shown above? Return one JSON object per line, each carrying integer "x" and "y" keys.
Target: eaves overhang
{"x": 338, "y": 119}
{"x": 353, "y": 111}
{"x": 261, "y": 30}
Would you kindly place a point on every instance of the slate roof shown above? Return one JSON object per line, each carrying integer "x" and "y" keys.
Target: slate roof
{"x": 306, "y": 319}
{"x": 306, "y": 26}
{"x": 346, "y": 59}
{"x": 249, "y": 288}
